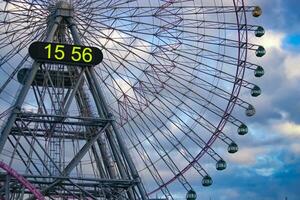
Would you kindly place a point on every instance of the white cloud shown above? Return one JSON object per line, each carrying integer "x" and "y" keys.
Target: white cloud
{"x": 265, "y": 171}
{"x": 271, "y": 39}
{"x": 291, "y": 67}
{"x": 247, "y": 156}
{"x": 287, "y": 128}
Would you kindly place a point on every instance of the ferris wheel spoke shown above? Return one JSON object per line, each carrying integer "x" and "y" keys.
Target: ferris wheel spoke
{"x": 166, "y": 100}
{"x": 158, "y": 11}
{"x": 171, "y": 76}
{"x": 16, "y": 18}
{"x": 208, "y": 40}
{"x": 209, "y": 128}
{"x": 182, "y": 55}
{"x": 214, "y": 128}
{"x": 216, "y": 57}
{"x": 19, "y": 47}
{"x": 28, "y": 3}
{"x": 149, "y": 165}
{"x": 164, "y": 156}
{"x": 197, "y": 165}
{"x": 225, "y": 79}
{"x": 189, "y": 24}
{"x": 176, "y": 145}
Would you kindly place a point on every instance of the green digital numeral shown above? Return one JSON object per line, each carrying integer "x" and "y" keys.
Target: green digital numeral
{"x": 49, "y": 50}
{"x": 77, "y": 53}
{"x": 86, "y": 55}
{"x": 59, "y": 51}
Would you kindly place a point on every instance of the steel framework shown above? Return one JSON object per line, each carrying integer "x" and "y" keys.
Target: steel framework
{"x": 158, "y": 110}
{"x": 119, "y": 178}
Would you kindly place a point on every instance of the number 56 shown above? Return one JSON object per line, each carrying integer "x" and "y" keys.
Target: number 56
{"x": 85, "y": 55}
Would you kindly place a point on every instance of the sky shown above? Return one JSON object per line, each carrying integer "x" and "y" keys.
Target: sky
{"x": 267, "y": 167}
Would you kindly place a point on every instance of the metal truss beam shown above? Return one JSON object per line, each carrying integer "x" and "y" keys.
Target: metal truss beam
{"x": 25, "y": 88}
{"x": 121, "y": 176}
{"x": 103, "y": 107}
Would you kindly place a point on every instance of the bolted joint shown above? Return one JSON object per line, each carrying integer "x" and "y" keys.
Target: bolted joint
{"x": 110, "y": 115}
{"x": 17, "y": 109}
{"x": 136, "y": 178}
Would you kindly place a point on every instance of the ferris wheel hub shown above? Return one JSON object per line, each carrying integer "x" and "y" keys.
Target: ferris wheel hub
{"x": 63, "y": 8}
{"x": 168, "y": 87}
{"x": 63, "y": 5}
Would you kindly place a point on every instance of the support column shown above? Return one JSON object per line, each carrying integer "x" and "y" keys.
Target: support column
{"x": 104, "y": 107}
{"x": 25, "y": 89}
{"x": 7, "y": 192}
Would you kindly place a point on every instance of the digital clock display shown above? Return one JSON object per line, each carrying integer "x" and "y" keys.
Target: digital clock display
{"x": 65, "y": 54}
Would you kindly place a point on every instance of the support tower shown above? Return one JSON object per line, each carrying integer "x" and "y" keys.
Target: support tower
{"x": 67, "y": 146}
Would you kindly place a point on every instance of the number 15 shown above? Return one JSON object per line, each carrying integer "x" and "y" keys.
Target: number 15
{"x": 59, "y": 53}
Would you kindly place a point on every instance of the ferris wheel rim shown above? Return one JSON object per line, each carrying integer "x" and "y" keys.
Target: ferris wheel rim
{"x": 230, "y": 106}
{"x": 223, "y": 113}
{"x": 23, "y": 181}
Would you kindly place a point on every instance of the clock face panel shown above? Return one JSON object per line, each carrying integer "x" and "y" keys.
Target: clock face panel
{"x": 65, "y": 54}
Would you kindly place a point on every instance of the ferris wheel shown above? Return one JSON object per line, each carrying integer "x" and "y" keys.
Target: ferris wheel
{"x": 122, "y": 99}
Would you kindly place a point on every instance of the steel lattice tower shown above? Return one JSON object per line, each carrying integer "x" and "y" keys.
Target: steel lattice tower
{"x": 167, "y": 88}
{"x": 58, "y": 90}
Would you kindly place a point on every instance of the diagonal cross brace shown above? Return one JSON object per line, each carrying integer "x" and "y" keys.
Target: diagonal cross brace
{"x": 35, "y": 66}
{"x": 75, "y": 160}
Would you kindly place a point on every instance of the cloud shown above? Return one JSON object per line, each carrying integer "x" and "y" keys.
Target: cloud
{"x": 247, "y": 156}
{"x": 288, "y": 128}
{"x": 265, "y": 171}
{"x": 230, "y": 194}
{"x": 291, "y": 68}
{"x": 267, "y": 164}
{"x": 258, "y": 158}
{"x": 296, "y": 148}
{"x": 279, "y": 15}
{"x": 272, "y": 39}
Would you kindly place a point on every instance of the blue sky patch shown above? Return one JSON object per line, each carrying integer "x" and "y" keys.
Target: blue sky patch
{"x": 292, "y": 41}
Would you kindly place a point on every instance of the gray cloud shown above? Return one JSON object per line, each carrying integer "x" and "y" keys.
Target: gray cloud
{"x": 280, "y": 15}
